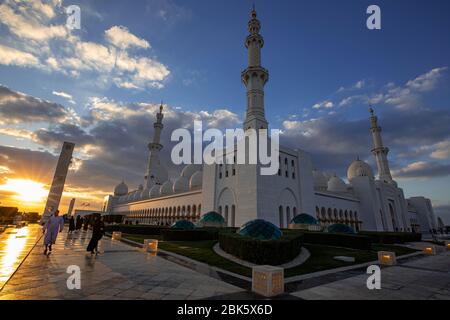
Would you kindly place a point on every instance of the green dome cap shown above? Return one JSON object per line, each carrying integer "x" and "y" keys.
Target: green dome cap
{"x": 261, "y": 229}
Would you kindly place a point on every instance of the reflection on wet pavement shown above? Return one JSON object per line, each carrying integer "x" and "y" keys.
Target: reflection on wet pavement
{"x": 15, "y": 244}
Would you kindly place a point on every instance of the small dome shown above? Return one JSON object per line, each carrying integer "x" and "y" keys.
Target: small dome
{"x": 140, "y": 187}
{"x": 136, "y": 195}
{"x": 121, "y": 189}
{"x": 261, "y": 229}
{"x": 340, "y": 228}
{"x": 212, "y": 219}
{"x": 320, "y": 180}
{"x": 183, "y": 224}
{"x": 336, "y": 184}
{"x": 130, "y": 196}
{"x": 304, "y": 219}
{"x": 359, "y": 168}
{"x": 166, "y": 188}
{"x": 145, "y": 194}
{"x": 190, "y": 169}
{"x": 181, "y": 185}
{"x": 196, "y": 180}
{"x": 154, "y": 191}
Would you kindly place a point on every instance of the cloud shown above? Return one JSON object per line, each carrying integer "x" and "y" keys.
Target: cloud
{"x": 38, "y": 39}
{"x": 17, "y": 107}
{"x": 442, "y": 151}
{"x": 17, "y": 133}
{"x": 11, "y": 56}
{"x": 406, "y": 97}
{"x": 357, "y": 86}
{"x": 324, "y": 104}
{"x": 422, "y": 169}
{"x": 24, "y": 19}
{"x": 64, "y": 95}
{"x": 122, "y": 38}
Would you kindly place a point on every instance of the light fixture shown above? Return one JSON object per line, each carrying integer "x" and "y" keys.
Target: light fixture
{"x": 268, "y": 281}
{"x": 387, "y": 258}
{"x": 151, "y": 245}
{"x": 116, "y": 235}
{"x": 430, "y": 250}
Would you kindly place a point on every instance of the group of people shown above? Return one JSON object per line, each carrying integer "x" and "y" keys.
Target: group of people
{"x": 78, "y": 224}
{"x": 55, "y": 225}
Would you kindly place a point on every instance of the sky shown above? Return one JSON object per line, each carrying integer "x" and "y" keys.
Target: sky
{"x": 100, "y": 87}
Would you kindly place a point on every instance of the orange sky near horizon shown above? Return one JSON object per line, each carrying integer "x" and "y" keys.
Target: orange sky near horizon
{"x": 30, "y": 196}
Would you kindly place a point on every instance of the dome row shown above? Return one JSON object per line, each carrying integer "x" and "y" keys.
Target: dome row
{"x": 323, "y": 181}
{"x": 190, "y": 179}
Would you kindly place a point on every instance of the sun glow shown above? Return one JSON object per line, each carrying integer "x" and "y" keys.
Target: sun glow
{"x": 28, "y": 191}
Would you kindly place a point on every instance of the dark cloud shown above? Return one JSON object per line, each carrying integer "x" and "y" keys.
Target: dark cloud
{"x": 335, "y": 141}
{"x": 16, "y": 107}
{"x": 424, "y": 170}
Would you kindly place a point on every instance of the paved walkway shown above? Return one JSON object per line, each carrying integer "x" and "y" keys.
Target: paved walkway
{"x": 15, "y": 244}
{"x": 120, "y": 272}
{"x": 125, "y": 272}
{"x": 420, "y": 278}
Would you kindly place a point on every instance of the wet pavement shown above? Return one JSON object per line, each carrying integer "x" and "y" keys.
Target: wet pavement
{"x": 122, "y": 271}
{"x": 119, "y": 272}
{"x": 15, "y": 244}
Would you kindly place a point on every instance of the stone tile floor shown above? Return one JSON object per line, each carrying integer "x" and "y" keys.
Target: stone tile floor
{"x": 424, "y": 277}
{"x": 119, "y": 272}
{"x": 125, "y": 272}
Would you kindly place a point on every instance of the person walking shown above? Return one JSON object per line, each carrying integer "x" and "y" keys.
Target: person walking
{"x": 86, "y": 224}
{"x": 71, "y": 224}
{"x": 98, "y": 230}
{"x": 52, "y": 227}
{"x": 79, "y": 223}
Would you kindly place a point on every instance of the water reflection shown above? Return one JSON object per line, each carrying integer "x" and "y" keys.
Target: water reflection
{"x": 11, "y": 247}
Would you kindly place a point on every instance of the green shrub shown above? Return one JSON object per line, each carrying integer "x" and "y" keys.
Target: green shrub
{"x": 189, "y": 235}
{"x": 392, "y": 237}
{"x": 354, "y": 241}
{"x": 136, "y": 229}
{"x": 271, "y": 252}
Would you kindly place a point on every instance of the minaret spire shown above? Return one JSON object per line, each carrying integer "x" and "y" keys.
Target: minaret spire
{"x": 379, "y": 151}
{"x": 255, "y": 76}
{"x": 156, "y": 173}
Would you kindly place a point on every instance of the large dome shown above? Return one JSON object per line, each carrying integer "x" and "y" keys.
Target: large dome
{"x": 121, "y": 189}
{"x": 340, "y": 228}
{"x": 320, "y": 180}
{"x": 190, "y": 169}
{"x": 183, "y": 224}
{"x": 261, "y": 229}
{"x": 336, "y": 184}
{"x": 196, "y": 180}
{"x": 304, "y": 219}
{"x": 181, "y": 185}
{"x": 359, "y": 168}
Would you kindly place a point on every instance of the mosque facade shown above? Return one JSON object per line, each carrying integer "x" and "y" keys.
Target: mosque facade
{"x": 240, "y": 193}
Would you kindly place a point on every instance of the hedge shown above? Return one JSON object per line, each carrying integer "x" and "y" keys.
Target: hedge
{"x": 270, "y": 252}
{"x": 345, "y": 240}
{"x": 392, "y": 237}
{"x": 189, "y": 235}
{"x": 136, "y": 229}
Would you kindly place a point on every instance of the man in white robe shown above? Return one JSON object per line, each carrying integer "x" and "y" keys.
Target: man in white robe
{"x": 52, "y": 227}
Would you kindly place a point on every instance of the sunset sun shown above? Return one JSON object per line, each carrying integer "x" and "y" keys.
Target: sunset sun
{"x": 25, "y": 190}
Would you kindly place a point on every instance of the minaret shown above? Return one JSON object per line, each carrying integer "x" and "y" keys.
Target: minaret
{"x": 254, "y": 77}
{"x": 379, "y": 151}
{"x": 156, "y": 174}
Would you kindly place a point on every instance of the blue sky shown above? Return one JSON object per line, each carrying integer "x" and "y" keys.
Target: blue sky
{"x": 325, "y": 68}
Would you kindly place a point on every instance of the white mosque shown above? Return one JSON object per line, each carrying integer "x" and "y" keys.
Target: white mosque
{"x": 240, "y": 194}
